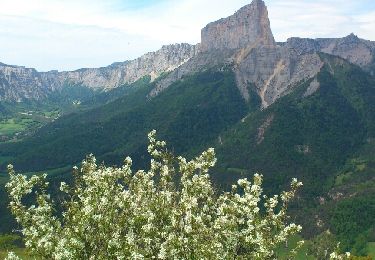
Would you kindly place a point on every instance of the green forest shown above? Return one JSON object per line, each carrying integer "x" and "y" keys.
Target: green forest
{"x": 326, "y": 140}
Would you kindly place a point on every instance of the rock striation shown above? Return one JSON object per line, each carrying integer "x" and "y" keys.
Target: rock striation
{"x": 18, "y": 83}
{"x": 245, "y": 42}
{"x": 248, "y": 25}
{"x": 151, "y": 64}
{"x": 242, "y": 42}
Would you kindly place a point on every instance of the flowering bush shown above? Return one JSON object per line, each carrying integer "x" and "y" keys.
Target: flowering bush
{"x": 168, "y": 212}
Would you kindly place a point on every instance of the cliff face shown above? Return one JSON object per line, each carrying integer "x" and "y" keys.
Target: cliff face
{"x": 357, "y": 51}
{"x": 20, "y": 83}
{"x": 245, "y": 42}
{"x": 166, "y": 59}
{"x": 242, "y": 41}
{"x": 248, "y": 25}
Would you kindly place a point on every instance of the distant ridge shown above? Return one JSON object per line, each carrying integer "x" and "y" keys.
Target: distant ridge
{"x": 243, "y": 40}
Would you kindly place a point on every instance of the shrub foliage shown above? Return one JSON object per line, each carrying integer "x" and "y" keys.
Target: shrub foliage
{"x": 170, "y": 211}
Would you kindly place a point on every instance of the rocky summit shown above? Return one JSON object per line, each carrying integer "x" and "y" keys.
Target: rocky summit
{"x": 303, "y": 108}
{"x": 249, "y": 25}
{"x": 243, "y": 41}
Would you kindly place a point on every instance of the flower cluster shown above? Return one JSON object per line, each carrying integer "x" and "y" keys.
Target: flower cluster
{"x": 170, "y": 211}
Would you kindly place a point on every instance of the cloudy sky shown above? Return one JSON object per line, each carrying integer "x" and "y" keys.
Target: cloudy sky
{"x": 71, "y": 34}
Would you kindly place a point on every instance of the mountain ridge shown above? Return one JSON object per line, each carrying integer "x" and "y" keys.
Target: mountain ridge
{"x": 244, "y": 39}
{"x": 304, "y": 108}
{"x": 21, "y": 83}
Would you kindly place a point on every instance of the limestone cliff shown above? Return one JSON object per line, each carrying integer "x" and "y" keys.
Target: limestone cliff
{"x": 19, "y": 83}
{"x": 248, "y": 25}
{"x": 153, "y": 64}
{"x": 357, "y": 51}
{"x": 245, "y": 42}
{"x": 242, "y": 41}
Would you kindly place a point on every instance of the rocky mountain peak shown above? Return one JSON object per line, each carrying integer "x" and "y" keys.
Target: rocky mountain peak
{"x": 351, "y": 38}
{"x": 247, "y": 26}
{"x": 243, "y": 40}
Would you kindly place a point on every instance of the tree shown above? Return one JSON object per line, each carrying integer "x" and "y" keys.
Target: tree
{"x": 170, "y": 211}
{"x": 322, "y": 245}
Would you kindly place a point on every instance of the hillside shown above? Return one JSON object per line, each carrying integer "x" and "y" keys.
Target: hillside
{"x": 306, "y": 136}
{"x": 304, "y": 109}
{"x": 197, "y": 108}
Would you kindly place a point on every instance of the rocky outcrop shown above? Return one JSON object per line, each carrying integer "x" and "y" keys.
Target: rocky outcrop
{"x": 355, "y": 50}
{"x": 312, "y": 88}
{"x": 198, "y": 63}
{"x": 245, "y": 41}
{"x": 242, "y": 41}
{"x": 262, "y": 129}
{"x": 19, "y": 83}
{"x": 274, "y": 71}
{"x": 153, "y": 64}
{"x": 248, "y": 25}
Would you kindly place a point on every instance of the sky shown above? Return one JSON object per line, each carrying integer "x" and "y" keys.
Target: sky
{"x": 73, "y": 34}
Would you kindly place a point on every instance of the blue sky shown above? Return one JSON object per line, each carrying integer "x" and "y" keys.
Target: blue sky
{"x": 71, "y": 34}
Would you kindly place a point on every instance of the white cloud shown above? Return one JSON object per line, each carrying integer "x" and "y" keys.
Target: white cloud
{"x": 69, "y": 34}
{"x": 309, "y": 19}
{"x": 366, "y": 24}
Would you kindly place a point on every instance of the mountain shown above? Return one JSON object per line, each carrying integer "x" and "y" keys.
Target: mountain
{"x": 245, "y": 41}
{"x": 304, "y": 108}
{"x": 247, "y": 26}
{"x": 20, "y": 83}
{"x": 357, "y": 51}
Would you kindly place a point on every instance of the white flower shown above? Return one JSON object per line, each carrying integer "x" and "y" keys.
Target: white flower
{"x": 12, "y": 256}
{"x": 165, "y": 212}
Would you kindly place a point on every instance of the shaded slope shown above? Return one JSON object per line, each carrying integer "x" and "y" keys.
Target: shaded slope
{"x": 191, "y": 114}
{"x": 309, "y": 138}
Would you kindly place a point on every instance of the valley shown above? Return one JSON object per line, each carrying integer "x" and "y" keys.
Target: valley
{"x": 304, "y": 108}
{"x": 21, "y": 123}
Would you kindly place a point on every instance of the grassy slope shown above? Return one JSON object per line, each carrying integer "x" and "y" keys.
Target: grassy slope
{"x": 371, "y": 249}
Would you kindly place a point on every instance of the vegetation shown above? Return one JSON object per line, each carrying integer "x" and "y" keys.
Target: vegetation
{"x": 371, "y": 249}
{"x": 351, "y": 220}
{"x": 326, "y": 139}
{"x": 20, "y": 252}
{"x": 166, "y": 212}
{"x": 196, "y": 108}
{"x": 21, "y": 122}
{"x": 307, "y": 137}
{"x": 21, "y": 119}
{"x": 282, "y": 252}
{"x": 321, "y": 246}
{"x": 10, "y": 242}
